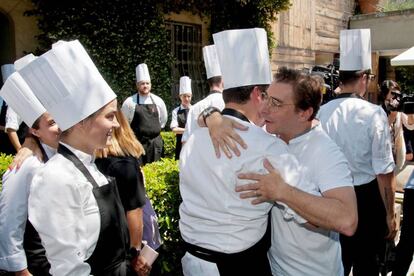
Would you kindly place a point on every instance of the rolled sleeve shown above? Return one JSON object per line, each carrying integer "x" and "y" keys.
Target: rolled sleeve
{"x": 174, "y": 121}
{"x": 128, "y": 108}
{"x": 13, "y": 120}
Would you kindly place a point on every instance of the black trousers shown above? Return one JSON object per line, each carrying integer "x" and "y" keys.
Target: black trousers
{"x": 405, "y": 248}
{"x": 363, "y": 250}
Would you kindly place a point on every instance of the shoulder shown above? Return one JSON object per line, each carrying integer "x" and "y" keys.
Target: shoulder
{"x": 175, "y": 110}
{"x": 157, "y": 99}
{"x": 131, "y": 100}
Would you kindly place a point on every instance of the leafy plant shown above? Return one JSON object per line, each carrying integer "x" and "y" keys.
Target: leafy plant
{"x": 5, "y": 161}
{"x": 169, "y": 144}
{"x": 162, "y": 185}
{"x": 397, "y": 5}
{"x": 404, "y": 77}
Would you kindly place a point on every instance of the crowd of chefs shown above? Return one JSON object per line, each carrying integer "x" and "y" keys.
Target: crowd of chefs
{"x": 70, "y": 220}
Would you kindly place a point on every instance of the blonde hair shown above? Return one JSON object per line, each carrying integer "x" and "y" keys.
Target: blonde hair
{"x": 123, "y": 142}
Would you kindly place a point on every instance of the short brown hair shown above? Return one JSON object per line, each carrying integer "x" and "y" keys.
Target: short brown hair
{"x": 307, "y": 89}
{"x": 349, "y": 77}
{"x": 214, "y": 81}
{"x": 240, "y": 95}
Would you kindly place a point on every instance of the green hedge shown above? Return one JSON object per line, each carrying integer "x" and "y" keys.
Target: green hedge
{"x": 5, "y": 161}
{"x": 162, "y": 185}
{"x": 169, "y": 144}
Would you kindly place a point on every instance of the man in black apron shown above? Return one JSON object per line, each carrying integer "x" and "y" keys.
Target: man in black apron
{"x": 180, "y": 113}
{"x": 147, "y": 115}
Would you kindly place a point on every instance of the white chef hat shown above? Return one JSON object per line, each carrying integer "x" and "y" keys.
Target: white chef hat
{"x": 243, "y": 57}
{"x": 211, "y": 61}
{"x": 23, "y": 61}
{"x": 185, "y": 85}
{"x": 355, "y": 50}
{"x": 6, "y": 71}
{"x": 142, "y": 73}
{"x": 67, "y": 83}
{"x": 21, "y": 99}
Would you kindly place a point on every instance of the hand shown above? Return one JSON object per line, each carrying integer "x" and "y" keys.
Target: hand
{"x": 392, "y": 226}
{"x": 141, "y": 266}
{"x": 269, "y": 187}
{"x": 223, "y": 135}
{"x": 23, "y": 272}
{"x": 21, "y": 155}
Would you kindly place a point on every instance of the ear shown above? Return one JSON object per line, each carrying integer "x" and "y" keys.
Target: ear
{"x": 34, "y": 132}
{"x": 306, "y": 114}
{"x": 256, "y": 95}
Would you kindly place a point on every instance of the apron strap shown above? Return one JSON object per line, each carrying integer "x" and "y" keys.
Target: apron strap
{"x": 78, "y": 164}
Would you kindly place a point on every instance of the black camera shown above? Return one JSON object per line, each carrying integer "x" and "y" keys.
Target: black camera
{"x": 330, "y": 75}
{"x": 402, "y": 103}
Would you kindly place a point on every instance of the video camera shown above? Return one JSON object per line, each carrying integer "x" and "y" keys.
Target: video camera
{"x": 330, "y": 75}
{"x": 401, "y": 102}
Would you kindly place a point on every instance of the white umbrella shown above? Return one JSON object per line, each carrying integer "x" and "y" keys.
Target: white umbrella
{"x": 404, "y": 59}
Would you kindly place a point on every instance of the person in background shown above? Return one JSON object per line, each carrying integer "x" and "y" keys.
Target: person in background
{"x": 147, "y": 114}
{"x": 5, "y": 144}
{"x": 361, "y": 131}
{"x": 214, "y": 99}
{"x": 76, "y": 210}
{"x": 180, "y": 113}
{"x": 390, "y": 96}
{"x": 120, "y": 159}
{"x": 21, "y": 250}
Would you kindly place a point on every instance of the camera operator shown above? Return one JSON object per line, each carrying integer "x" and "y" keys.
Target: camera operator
{"x": 392, "y": 101}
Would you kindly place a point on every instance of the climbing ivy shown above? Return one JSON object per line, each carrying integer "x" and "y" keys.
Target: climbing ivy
{"x": 119, "y": 34}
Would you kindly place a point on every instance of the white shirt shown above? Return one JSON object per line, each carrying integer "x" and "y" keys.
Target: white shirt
{"x": 13, "y": 212}
{"x": 212, "y": 215}
{"x": 295, "y": 249}
{"x": 214, "y": 99}
{"x": 64, "y": 211}
{"x": 360, "y": 129}
{"x": 128, "y": 107}
{"x": 174, "y": 120}
{"x": 13, "y": 120}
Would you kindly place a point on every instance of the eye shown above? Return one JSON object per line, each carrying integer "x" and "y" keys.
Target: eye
{"x": 52, "y": 123}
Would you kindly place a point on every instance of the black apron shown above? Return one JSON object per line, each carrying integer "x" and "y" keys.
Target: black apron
{"x": 37, "y": 263}
{"x": 182, "y": 120}
{"x": 109, "y": 256}
{"x": 147, "y": 128}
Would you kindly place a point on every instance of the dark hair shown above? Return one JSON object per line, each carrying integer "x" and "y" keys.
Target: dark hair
{"x": 241, "y": 95}
{"x": 307, "y": 89}
{"x": 349, "y": 77}
{"x": 214, "y": 81}
{"x": 386, "y": 87}
{"x": 37, "y": 122}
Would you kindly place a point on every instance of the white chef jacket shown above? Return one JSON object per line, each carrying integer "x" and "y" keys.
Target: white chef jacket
{"x": 360, "y": 129}
{"x": 212, "y": 215}
{"x": 13, "y": 120}
{"x": 174, "y": 120}
{"x": 13, "y": 212}
{"x": 128, "y": 107}
{"x": 214, "y": 99}
{"x": 295, "y": 249}
{"x": 63, "y": 209}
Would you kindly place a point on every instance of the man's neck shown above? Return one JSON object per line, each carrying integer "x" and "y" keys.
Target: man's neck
{"x": 300, "y": 130}
{"x": 216, "y": 89}
{"x": 246, "y": 110}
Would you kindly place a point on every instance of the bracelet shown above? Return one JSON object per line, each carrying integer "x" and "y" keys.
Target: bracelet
{"x": 208, "y": 111}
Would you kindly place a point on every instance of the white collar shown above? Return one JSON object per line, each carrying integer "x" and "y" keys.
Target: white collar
{"x": 48, "y": 150}
{"x": 83, "y": 157}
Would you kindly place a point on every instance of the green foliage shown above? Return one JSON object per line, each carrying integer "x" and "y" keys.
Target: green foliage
{"x": 120, "y": 34}
{"x": 162, "y": 185}
{"x": 397, "y": 5}
{"x": 5, "y": 161}
{"x": 117, "y": 34}
{"x": 404, "y": 77}
{"x": 169, "y": 144}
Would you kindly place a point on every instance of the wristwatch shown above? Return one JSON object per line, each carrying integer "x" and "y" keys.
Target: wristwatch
{"x": 208, "y": 111}
{"x": 134, "y": 252}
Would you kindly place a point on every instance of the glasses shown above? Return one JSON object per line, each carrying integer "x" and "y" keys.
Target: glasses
{"x": 272, "y": 102}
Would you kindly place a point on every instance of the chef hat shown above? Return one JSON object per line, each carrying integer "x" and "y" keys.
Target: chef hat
{"x": 21, "y": 99}
{"x": 67, "y": 83}
{"x": 142, "y": 73}
{"x": 185, "y": 85}
{"x": 243, "y": 57}
{"x": 211, "y": 61}
{"x": 355, "y": 50}
{"x": 22, "y": 62}
{"x": 6, "y": 71}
